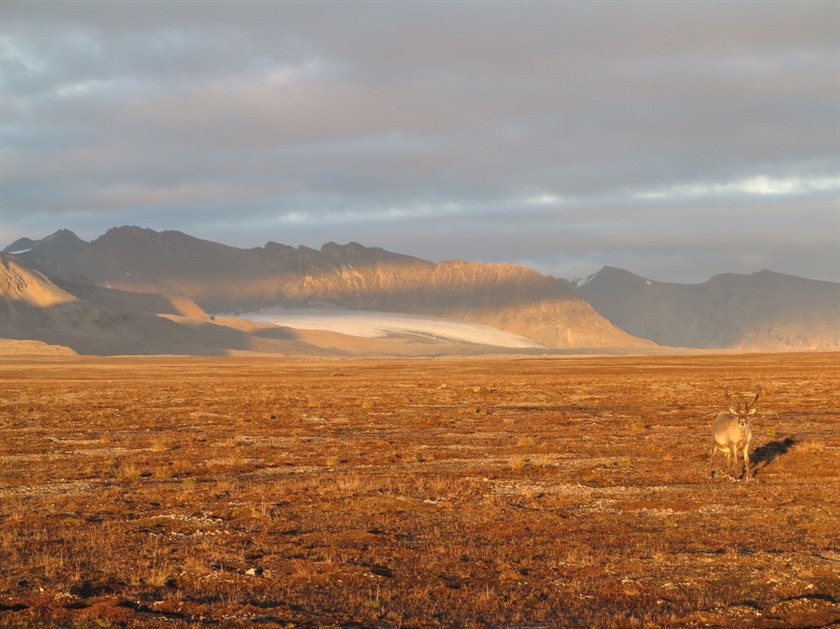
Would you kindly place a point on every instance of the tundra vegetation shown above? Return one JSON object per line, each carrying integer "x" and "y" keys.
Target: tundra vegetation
{"x": 480, "y": 492}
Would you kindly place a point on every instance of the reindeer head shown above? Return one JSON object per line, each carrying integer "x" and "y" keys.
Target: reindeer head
{"x": 742, "y": 409}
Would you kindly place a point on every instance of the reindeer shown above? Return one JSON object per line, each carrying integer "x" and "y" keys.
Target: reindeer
{"x": 731, "y": 432}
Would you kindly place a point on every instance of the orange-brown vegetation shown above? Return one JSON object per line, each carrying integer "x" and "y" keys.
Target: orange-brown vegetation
{"x": 468, "y": 492}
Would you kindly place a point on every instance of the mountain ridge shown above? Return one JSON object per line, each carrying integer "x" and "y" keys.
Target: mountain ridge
{"x": 220, "y": 278}
{"x": 613, "y": 308}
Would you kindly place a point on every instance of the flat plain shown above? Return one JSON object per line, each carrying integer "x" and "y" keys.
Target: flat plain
{"x": 451, "y": 492}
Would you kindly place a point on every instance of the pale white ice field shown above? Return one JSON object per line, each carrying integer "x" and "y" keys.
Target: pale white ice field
{"x": 370, "y": 324}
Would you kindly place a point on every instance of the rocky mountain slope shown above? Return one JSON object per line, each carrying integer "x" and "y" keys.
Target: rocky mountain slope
{"x": 219, "y": 278}
{"x": 762, "y": 311}
{"x": 33, "y": 308}
{"x": 31, "y": 304}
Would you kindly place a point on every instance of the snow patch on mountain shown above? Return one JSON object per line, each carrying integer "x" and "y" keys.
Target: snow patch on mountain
{"x": 583, "y": 281}
{"x": 374, "y": 324}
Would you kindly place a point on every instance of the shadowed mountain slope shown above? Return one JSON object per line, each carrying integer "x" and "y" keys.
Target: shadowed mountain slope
{"x": 34, "y": 308}
{"x": 761, "y": 311}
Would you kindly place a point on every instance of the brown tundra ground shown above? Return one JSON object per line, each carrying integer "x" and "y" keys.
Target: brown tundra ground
{"x": 468, "y": 492}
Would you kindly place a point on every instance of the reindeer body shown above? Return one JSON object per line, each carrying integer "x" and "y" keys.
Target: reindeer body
{"x": 731, "y": 432}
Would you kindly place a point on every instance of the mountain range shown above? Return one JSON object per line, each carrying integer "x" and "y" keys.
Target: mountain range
{"x": 139, "y": 291}
{"x": 764, "y": 310}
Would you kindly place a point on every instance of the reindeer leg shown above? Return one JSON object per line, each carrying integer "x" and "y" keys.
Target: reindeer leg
{"x": 711, "y": 458}
{"x": 731, "y": 461}
{"x": 747, "y": 471}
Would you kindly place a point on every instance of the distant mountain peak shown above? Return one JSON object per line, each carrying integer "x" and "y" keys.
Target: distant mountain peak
{"x": 142, "y": 233}
{"x": 21, "y": 245}
{"x": 132, "y": 230}
{"x": 61, "y": 239}
{"x": 764, "y": 310}
{"x": 609, "y": 276}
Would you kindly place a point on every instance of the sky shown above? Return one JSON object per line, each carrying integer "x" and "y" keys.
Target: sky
{"x": 676, "y": 140}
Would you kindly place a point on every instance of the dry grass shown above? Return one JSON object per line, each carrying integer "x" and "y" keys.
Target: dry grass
{"x": 429, "y": 493}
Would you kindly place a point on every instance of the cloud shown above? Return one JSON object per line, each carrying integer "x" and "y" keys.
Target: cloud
{"x": 493, "y": 131}
{"x": 758, "y": 185}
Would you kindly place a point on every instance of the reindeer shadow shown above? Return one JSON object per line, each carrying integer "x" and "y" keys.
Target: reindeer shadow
{"x": 763, "y": 456}
{"x": 769, "y": 452}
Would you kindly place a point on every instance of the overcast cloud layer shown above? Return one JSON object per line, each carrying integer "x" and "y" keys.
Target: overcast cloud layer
{"x": 676, "y": 140}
